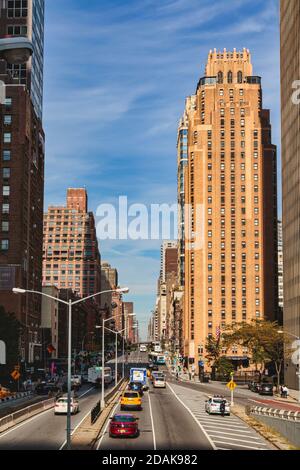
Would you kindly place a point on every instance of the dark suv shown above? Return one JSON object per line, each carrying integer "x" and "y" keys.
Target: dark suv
{"x": 265, "y": 389}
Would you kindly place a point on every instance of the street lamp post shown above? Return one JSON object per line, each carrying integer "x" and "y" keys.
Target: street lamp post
{"x": 69, "y": 303}
{"x": 116, "y": 357}
{"x": 103, "y": 361}
{"x": 298, "y": 373}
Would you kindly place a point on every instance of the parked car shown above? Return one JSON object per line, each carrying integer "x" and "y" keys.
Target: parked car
{"x": 255, "y": 387}
{"x": 265, "y": 389}
{"x": 212, "y": 406}
{"x": 122, "y": 425}
{"x": 61, "y": 406}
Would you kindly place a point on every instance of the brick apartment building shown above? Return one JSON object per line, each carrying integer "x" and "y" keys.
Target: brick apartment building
{"x": 22, "y": 150}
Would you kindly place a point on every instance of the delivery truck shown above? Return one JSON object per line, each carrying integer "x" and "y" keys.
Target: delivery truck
{"x": 138, "y": 374}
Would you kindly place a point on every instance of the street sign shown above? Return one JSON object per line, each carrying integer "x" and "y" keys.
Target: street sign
{"x": 15, "y": 375}
{"x": 231, "y": 385}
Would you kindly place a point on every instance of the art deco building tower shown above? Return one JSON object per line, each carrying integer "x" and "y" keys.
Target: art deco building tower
{"x": 230, "y": 191}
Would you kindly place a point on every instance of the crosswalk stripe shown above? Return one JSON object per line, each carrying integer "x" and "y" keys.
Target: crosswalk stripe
{"x": 233, "y": 439}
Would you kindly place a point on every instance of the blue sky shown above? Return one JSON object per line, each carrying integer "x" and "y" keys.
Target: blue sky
{"x": 116, "y": 77}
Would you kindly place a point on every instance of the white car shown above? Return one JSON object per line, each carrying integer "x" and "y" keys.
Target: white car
{"x": 61, "y": 406}
{"x": 212, "y": 406}
{"x": 159, "y": 381}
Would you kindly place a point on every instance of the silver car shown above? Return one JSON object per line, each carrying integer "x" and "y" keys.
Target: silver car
{"x": 213, "y": 404}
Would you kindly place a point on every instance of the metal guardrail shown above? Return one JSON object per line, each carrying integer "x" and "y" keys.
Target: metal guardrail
{"x": 15, "y": 397}
{"x": 18, "y": 416}
{"x": 96, "y": 411}
{"x": 276, "y": 413}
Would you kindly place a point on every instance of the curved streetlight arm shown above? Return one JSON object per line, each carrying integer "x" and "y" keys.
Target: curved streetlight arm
{"x": 42, "y": 293}
{"x": 288, "y": 333}
{"x": 95, "y": 295}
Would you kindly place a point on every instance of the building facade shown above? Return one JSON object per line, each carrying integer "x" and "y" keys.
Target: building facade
{"x": 22, "y": 147}
{"x": 71, "y": 258}
{"x": 49, "y": 321}
{"x": 290, "y": 144}
{"x": 26, "y": 18}
{"x": 230, "y": 190}
{"x": 21, "y": 199}
{"x": 109, "y": 281}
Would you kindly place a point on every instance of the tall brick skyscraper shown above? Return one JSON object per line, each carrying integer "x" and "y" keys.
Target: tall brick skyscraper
{"x": 26, "y": 18}
{"x": 71, "y": 257}
{"x": 22, "y": 171}
{"x": 230, "y": 187}
{"x": 290, "y": 134}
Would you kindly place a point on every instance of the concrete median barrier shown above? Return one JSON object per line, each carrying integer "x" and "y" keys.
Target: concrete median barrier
{"x": 11, "y": 420}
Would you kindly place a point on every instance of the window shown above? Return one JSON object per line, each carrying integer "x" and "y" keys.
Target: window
{"x": 5, "y": 208}
{"x": 229, "y": 77}
{"x": 7, "y": 119}
{"x": 221, "y": 92}
{"x": 220, "y": 77}
{"x": 6, "y": 190}
{"x": 15, "y": 30}
{"x": 7, "y": 137}
{"x": 6, "y": 155}
{"x": 6, "y": 172}
{"x": 8, "y": 102}
{"x": 5, "y": 226}
{"x": 4, "y": 244}
{"x": 241, "y": 91}
{"x": 240, "y": 77}
{"x": 17, "y": 8}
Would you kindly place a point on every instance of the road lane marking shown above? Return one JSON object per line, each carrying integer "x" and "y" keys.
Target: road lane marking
{"x": 238, "y": 445}
{"x": 233, "y": 434}
{"x": 226, "y": 428}
{"x": 87, "y": 391}
{"x": 194, "y": 418}
{"x": 76, "y": 427}
{"x": 239, "y": 440}
{"x": 106, "y": 426}
{"x": 152, "y": 423}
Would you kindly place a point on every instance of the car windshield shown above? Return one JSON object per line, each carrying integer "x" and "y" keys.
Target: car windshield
{"x": 62, "y": 400}
{"x": 217, "y": 400}
{"x": 131, "y": 395}
{"x": 124, "y": 418}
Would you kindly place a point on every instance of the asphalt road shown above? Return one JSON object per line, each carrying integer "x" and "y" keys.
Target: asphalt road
{"x": 46, "y": 431}
{"x": 174, "y": 418}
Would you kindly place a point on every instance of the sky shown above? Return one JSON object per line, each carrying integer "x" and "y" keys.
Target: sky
{"x": 116, "y": 77}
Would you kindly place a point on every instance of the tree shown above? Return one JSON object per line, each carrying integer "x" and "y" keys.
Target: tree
{"x": 263, "y": 341}
{"x": 224, "y": 366}
{"x": 10, "y": 334}
{"x": 213, "y": 348}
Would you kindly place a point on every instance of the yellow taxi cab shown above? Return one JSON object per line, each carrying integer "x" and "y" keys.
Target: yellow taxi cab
{"x": 130, "y": 400}
{"x": 148, "y": 373}
{"x": 4, "y": 392}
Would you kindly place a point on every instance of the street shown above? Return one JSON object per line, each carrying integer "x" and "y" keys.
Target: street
{"x": 175, "y": 418}
{"x": 46, "y": 431}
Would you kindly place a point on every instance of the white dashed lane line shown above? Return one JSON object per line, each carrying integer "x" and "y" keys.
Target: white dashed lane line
{"x": 226, "y": 432}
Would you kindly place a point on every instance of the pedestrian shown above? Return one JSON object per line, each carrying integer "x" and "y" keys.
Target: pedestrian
{"x": 285, "y": 391}
{"x": 223, "y": 407}
{"x": 190, "y": 375}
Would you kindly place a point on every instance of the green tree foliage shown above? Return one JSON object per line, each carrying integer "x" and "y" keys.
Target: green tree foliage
{"x": 265, "y": 344}
{"x": 224, "y": 367}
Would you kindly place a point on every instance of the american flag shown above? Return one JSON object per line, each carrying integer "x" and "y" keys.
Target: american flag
{"x": 218, "y": 332}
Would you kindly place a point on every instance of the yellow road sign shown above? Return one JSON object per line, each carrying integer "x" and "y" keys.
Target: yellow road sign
{"x": 15, "y": 375}
{"x": 231, "y": 385}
